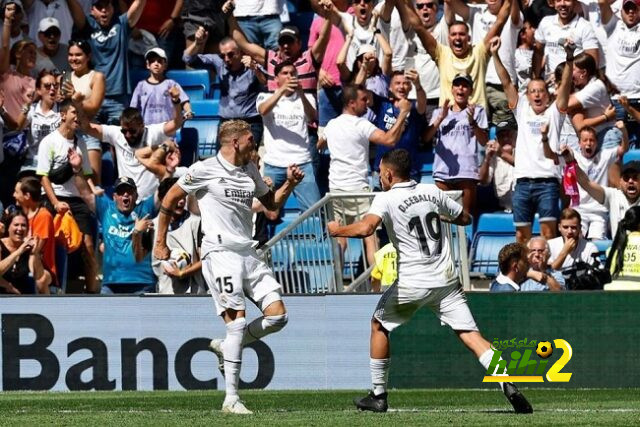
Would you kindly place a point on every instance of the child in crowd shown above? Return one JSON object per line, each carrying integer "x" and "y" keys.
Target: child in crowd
{"x": 150, "y": 94}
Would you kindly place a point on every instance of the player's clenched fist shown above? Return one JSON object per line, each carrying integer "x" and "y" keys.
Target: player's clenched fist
{"x": 294, "y": 174}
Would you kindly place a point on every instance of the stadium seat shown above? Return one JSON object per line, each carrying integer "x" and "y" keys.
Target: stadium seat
{"x": 203, "y": 132}
{"x": 205, "y": 108}
{"x": 631, "y": 155}
{"x": 494, "y": 231}
{"x": 194, "y": 82}
{"x": 497, "y": 222}
{"x": 108, "y": 171}
{"x": 603, "y": 246}
{"x": 292, "y": 204}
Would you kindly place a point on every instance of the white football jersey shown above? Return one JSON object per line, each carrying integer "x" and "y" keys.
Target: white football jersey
{"x": 411, "y": 214}
{"x": 225, "y": 193}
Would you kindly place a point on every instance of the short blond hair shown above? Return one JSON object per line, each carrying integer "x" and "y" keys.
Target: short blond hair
{"x": 233, "y": 129}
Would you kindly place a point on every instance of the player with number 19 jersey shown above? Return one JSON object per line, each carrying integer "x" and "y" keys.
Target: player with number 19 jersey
{"x": 411, "y": 214}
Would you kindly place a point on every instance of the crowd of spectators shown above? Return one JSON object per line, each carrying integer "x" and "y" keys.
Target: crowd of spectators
{"x": 528, "y": 106}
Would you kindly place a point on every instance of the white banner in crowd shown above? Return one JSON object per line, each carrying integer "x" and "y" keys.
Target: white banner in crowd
{"x": 159, "y": 343}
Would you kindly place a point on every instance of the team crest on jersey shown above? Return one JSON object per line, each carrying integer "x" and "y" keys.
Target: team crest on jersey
{"x": 188, "y": 179}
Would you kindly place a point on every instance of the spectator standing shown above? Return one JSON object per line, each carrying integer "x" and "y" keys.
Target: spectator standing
{"x": 541, "y": 276}
{"x": 553, "y": 31}
{"x": 51, "y": 55}
{"x": 108, "y": 36}
{"x": 39, "y": 10}
{"x": 13, "y": 22}
{"x": 287, "y": 113}
{"x": 387, "y": 110}
{"x": 461, "y": 57}
{"x": 306, "y": 62}
{"x": 513, "y": 265}
{"x": 162, "y": 20}
{"x": 482, "y": 17}
{"x": 523, "y": 56}
{"x": 537, "y": 177}
{"x": 27, "y": 195}
{"x": 570, "y": 247}
{"x": 458, "y": 129}
{"x": 623, "y": 56}
{"x": 497, "y": 166}
{"x": 616, "y": 200}
{"x": 126, "y": 265}
{"x": 55, "y": 152}
{"x": 150, "y": 95}
{"x": 207, "y": 14}
{"x": 240, "y": 79}
{"x": 87, "y": 86}
{"x": 20, "y": 261}
{"x": 367, "y": 67}
{"x": 348, "y": 137}
{"x": 593, "y": 100}
{"x": 133, "y": 134}
{"x": 42, "y": 118}
{"x": 260, "y": 21}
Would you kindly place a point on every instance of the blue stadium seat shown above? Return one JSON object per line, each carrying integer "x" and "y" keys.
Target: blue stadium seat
{"x": 194, "y": 82}
{"x": 426, "y": 179}
{"x": 292, "y": 204}
{"x": 497, "y": 222}
{"x": 352, "y": 256}
{"x": 631, "y": 155}
{"x": 108, "y": 171}
{"x": 205, "y": 108}
{"x": 603, "y": 246}
{"x": 484, "y": 252}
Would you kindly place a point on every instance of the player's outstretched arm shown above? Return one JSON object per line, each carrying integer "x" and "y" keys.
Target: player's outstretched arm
{"x": 169, "y": 202}
{"x": 363, "y": 228}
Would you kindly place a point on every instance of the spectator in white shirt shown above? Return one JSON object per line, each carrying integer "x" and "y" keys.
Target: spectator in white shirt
{"x": 570, "y": 247}
{"x": 591, "y": 105}
{"x": 286, "y": 114}
{"x": 497, "y": 166}
{"x": 552, "y": 33}
{"x": 348, "y": 137}
{"x": 537, "y": 177}
{"x": 623, "y": 57}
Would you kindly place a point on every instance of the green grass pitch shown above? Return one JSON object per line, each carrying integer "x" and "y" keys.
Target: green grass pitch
{"x": 319, "y": 408}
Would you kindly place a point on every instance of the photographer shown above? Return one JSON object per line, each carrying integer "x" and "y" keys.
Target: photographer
{"x": 624, "y": 259}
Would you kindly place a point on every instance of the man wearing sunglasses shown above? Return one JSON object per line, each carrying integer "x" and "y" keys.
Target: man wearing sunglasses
{"x": 133, "y": 134}
{"x": 51, "y": 55}
{"x": 239, "y": 76}
{"x": 460, "y": 56}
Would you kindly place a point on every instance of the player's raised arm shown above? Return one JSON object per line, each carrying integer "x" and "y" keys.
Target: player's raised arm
{"x": 363, "y": 228}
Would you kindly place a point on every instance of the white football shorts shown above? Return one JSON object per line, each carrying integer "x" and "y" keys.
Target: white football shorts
{"x": 232, "y": 276}
{"x": 399, "y": 303}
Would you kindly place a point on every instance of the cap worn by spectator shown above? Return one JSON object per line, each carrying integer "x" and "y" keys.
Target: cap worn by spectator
{"x": 125, "y": 181}
{"x": 157, "y": 52}
{"x": 508, "y": 124}
{"x": 365, "y": 48}
{"x": 632, "y": 166}
{"x": 17, "y": 2}
{"x": 288, "y": 32}
{"x": 636, "y": 2}
{"x": 47, "y": 23}
{"x": 463, "y": 76}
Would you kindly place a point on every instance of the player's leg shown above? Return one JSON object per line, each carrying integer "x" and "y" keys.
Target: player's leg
{"x": 223, "y": 272}
{"x": 389, "y": 314}
{"x": 266, "y": 292}
{"x": 450, "y": 306}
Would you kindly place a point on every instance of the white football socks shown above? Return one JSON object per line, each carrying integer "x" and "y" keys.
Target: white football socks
{"x": 379, "y": 375}
{"x": 485, "y": 361}
{"x": 232, "y": 350}
{"x": 263, "y": 326}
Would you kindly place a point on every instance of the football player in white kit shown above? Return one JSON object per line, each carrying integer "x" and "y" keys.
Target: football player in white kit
{"x": 413, "y": 214}
{"x": 225, "y": 186}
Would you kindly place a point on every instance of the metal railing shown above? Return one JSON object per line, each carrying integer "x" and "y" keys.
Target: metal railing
{"x": 305, "y": 259}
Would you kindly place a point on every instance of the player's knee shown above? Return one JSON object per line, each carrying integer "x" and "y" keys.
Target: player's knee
{"x": 275, "y": 323}
{"x": 237, "y": 326}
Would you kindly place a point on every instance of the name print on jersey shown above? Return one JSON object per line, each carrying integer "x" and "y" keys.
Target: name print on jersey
{"x": 241, "y": 196}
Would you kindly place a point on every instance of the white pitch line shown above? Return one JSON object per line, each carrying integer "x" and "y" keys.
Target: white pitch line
{"x": 461, "y": 410}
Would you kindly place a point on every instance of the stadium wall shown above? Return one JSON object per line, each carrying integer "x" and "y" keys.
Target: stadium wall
{"x": 159, "y": 342}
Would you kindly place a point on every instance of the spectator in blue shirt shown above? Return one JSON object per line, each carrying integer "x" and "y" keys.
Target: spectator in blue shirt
{"x": 240, "y": 79}
{"x": 541, "y": 277}
{"x": 126, "y": 266}
{"x": 386, "y": 110}
{"x": 108, "y": 36}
